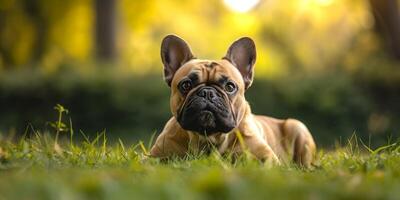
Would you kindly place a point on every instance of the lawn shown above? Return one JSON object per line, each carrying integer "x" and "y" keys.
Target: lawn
{"x": 39, "y": 167}
{"x": 54, "y": 165}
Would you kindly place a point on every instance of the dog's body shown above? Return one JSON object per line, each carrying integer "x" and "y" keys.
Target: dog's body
{"x": 208, "y": 106}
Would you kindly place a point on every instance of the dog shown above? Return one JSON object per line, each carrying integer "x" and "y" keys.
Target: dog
{"x": 208, "y": 106}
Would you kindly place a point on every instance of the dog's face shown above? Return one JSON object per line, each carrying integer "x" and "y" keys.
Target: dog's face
{"x": 207, "y": 96}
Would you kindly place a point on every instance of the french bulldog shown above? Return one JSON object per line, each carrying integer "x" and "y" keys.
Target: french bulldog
{"x": 208, "y": 106}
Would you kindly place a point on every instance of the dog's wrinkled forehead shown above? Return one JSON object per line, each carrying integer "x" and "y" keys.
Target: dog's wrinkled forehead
{"x": 208, "y": 72}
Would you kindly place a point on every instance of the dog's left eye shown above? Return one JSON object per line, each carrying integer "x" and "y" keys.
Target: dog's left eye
{"x": 185, "y": 86}
{"x": 230, "y": 87}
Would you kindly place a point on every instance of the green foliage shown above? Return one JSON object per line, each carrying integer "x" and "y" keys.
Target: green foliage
{"x": 115, "y": 101}
{"x": 32, "y": 168}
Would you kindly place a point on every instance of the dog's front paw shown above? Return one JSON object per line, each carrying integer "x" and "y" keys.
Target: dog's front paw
{"x": 271, "y": 160}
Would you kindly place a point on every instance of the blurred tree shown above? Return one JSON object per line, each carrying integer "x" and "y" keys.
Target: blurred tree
{"x": 105, "y": 29}
{"x": 387, "y": 23}
{"x": 34, "y": 10}
{"x": 17, "y": 33}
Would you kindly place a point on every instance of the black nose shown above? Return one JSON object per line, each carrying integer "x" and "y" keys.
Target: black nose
{"x": 207, "y": 92}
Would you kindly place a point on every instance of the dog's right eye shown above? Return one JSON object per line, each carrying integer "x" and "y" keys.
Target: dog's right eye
{"x": 185, "y": 86}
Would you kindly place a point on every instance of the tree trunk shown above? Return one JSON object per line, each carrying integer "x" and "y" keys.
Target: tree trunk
{"x": 387, "y": 23}
{"x": 105, "y": 29}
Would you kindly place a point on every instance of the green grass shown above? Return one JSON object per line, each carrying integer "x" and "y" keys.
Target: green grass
{"x": 41, "y": 168}
{"x": 52, "y": 165}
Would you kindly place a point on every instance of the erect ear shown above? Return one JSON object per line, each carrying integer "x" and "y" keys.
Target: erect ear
{"x": 242, "y": 54}
{"x": 174, "y": 53}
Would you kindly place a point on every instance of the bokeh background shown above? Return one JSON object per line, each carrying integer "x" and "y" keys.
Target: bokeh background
{"x": 334, "y": 64}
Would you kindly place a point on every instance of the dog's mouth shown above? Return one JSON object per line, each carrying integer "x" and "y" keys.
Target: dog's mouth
{"x": 207, "y": 119}
{"x": 207, "y": 114}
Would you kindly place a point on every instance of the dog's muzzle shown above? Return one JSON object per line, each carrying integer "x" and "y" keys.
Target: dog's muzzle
{"x": 207, "y": 111}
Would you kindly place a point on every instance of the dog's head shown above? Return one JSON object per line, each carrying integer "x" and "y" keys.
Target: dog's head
{"x": 207, "y": 96}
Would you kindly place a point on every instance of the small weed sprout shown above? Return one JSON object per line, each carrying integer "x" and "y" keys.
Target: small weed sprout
{"x": 58, "y": 125}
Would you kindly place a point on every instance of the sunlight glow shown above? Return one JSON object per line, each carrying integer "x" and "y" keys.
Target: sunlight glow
{"x": 241, "y": 6}
{"x": 318, "y": 3}
{"x": 324, "y": 2}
